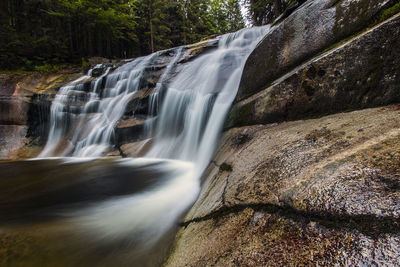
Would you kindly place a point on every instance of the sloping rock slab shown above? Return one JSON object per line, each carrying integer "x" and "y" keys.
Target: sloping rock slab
{"x": 364, "y": 72}
{"x": 316, "y": 192}
{"x": 310, "y": 29}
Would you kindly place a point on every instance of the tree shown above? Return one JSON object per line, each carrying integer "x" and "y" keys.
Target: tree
{"x": 38, "y": 32}
{"x": 198, "y": 20}
{"x": 153, "y": 27}
{"x": 227, "y": 15}
{"x": 261, "y": 12}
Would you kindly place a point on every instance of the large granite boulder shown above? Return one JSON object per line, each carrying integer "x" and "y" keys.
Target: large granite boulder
{"x": 362, "y": 72}
{"x": 310, "y": 29}
{"x": 317, "y": 192}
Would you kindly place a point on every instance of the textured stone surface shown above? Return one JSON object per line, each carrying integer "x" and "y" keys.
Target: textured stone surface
{"x": 135, "y": 149}
{"x": 11, "y": 139}
{"x": 24, "y": 110}
{"x": 258, "y": 238}
{"x": 363, "y": 72}
{"x": 310, "y": 29}
{"x": 320, "y": 191}
{"x": 13, "y": 110}
{"x": 129, "y": 131}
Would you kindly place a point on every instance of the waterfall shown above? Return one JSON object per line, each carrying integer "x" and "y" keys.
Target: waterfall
{"x": 190, "y": 116}
{"x": 186, "y": 113}
{"x": 199, "y": 98}
{"x": 89, "y": 126}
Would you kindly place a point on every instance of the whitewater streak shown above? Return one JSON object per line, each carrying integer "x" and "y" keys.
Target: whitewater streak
{"x": 190, "y": 117}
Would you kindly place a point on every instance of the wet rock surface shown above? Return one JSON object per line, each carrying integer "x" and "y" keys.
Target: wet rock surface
{"x": 135, "y": 149}
{"x": 129, "y": 131}
{"x": 360, "y": 73}
{"x": 100, "y": 69}
{"x": 315, "y": 192}
{"x": 310, "y": 29}
{"x": 25, "y": 101}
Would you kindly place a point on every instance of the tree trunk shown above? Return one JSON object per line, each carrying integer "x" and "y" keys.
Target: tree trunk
{"x": 278, "y": 8}
{"x": 71, "y": 40}
{"x": 151, "y": 34}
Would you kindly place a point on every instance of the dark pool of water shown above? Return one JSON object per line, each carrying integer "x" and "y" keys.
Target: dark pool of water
{"x": 70, "y": 212}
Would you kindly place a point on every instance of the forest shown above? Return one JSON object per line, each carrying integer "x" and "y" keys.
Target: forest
{"x": 34, "y": 33}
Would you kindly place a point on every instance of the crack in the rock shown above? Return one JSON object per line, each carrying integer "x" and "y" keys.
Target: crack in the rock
{"x": 224, "y": 192}
{"x": 122, "y": 154}
{"x": 214, "y": 162}
{"x": 369, "y": 225}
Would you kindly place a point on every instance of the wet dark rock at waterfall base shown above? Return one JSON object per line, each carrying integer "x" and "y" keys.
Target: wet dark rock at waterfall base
{"x": 128, "y": 131}
{"x": 25, "y": 101}
{"x": 139, "y": 103}
{"x": 100, "y": 69}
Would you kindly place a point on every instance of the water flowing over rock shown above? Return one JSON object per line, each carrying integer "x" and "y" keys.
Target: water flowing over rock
{"x": 292, "y": 182}
{"x": 186, "y": 102}
{"x": 296, "y": 186}
{"x": 173, "y": 108}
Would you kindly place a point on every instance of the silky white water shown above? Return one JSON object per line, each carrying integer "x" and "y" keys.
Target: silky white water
{"x": 186, "y": 121}
{"x": 92, "y": 118}
{"x": 197, "y": 101}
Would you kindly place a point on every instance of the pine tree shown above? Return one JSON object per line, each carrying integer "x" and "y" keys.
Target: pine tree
{"x": 227, "y": 15}
{"x": 261, "y": 12}
{"x": 153, "y": 26}
{"x": 38, "y": 32}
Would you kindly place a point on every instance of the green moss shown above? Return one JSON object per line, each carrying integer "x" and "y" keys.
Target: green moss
{"x": 46, "y": 68}
{"x": 15, "y": 72}
{"x": 240, "y": 139}
{"x": 367, "y": 82}
{"x": 225, "y": 167}
{"x": 239, "y": 116}
{"x": 345, "y": 16}
{"x": 364, "y": 24}
{"x": 387, "y": 13}
{"x": 85, "y": 63}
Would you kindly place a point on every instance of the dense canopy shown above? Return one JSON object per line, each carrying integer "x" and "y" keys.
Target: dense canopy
{"x": 34, "y": 32}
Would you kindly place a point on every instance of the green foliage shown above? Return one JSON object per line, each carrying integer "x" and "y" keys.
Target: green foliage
{"x": 39, "y": 34}
{"x": 390, "y": 12}
{"x": 47, "y": 67}
{"x": 261, "y": 12}
{"x": 225, "y": 167}
{"x": 44, "y": 68}
{"x": 85, "y": 64}
{"x": 227, "y": 15}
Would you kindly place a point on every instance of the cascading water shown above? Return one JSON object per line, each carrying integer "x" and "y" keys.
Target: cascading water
{"x": 187, "y": 113}
{"x": 199, "y": 98}
{"x": 90, "y": 126}
{"x": 154, "y": 98}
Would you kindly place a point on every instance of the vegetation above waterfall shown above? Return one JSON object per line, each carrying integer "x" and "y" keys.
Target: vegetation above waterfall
{"x": 51, "y": 32}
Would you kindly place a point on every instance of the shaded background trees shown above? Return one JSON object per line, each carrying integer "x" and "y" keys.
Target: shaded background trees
{"x": 34, "y": 32}
{"x": 261, "y": 12}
